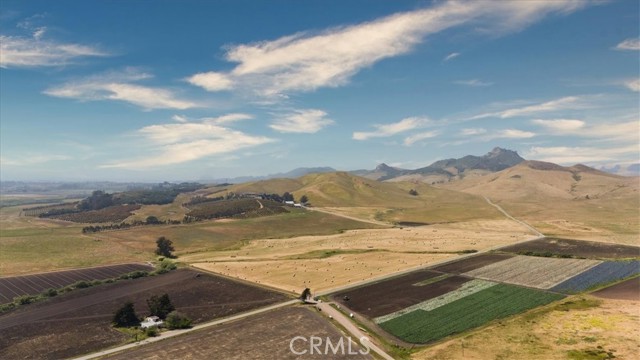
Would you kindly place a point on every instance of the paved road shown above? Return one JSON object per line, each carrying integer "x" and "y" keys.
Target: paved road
{"x": 172, "y": 333}
{"x": 356, "y": 333}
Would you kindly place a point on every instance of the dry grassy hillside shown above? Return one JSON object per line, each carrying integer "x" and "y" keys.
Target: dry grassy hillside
{"x": 365, "y": 198}
{"x": 575, "y": 201}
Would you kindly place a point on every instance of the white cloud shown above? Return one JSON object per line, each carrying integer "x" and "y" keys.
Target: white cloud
{"x": 473, "y": 83}
{"x": 32, "y": 159}
{"x": 451, "y": 56}
{"x": 180, "y": 118}
{"x": 629, "y": 44}
{"x": 611, "y": 131}
{"x": 302, "y": 121}
{"x": 473, "y": 131}
{"x": 410, "y": 140}
{"x": 184, "y": 142}
{"x": 118, "y": 86}
{"x": 305, "y": 62}
{"x": 509, "y": 134}
{"x": 633, "y": 85}
{"x": 560, "y": 125}
{"x": 565, "y": 103}
{"x": 229, "y": 118}
{"x": 386, "y": 130}
{"x": 35, "y": 51}
{"x": 211, "y": 81}
{"x": 573, "y": 155}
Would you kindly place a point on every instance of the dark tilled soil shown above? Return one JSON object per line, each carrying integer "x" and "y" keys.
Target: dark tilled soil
{"x": 263, "y": 336}
{"x": 398, "y": 293}
{"x": 11, "y": 287}
{"x": 577, "y": 248}
{"x": 471, "y": 263}
{"x": 80, "y": 322}
{"x": 626, "y": 290}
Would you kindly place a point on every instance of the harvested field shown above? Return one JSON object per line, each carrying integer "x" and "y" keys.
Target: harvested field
{"x": 601, "y": 274}
{"x": 538, "y": 272}
{"x": 471, "y": 311}
{"x": 80, "y": 322}
{"x": 576, "y": 248}
{"x": 471, "y": 263}
{"x": 263, "y": 336}
{"x": 626, "y": 290}
{"x": 34, "y": 284}
{"x": 398, "y": 293}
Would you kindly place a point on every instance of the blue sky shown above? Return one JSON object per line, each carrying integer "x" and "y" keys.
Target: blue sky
{"x": 191, "y": 90}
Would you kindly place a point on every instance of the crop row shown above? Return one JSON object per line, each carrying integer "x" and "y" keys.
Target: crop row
{"x": 235, "y": 208}
{"x": 466, "y": 289}
{"x": 496, "y": 302}
{"x": 110, "y": 214}
{"x": 538, "y": 272}
{"x": 606, "y": 272}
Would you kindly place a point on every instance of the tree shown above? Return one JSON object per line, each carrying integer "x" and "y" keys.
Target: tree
{"x": 304, "y": 199}
{"x": 165, "y": 247}
{"x": 160, "y": 306}
{"x": 152, "y": 220}
{"x": 306, "y": 293}
{"x": 413, "y": 192}
{"x": 176, "y": 320}
{"x": 126, "y": 316}
{"x": 287, "y": 196}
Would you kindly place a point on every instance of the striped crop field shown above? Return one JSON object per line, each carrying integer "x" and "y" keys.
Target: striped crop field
{"x": 495, "y": 302}
{"x": 601, "y": 274}
{"x": 466, "y": 289}
{"x": 531, "y": 271}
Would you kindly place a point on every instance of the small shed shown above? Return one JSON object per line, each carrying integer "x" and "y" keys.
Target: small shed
{"x": 151, "y": 321}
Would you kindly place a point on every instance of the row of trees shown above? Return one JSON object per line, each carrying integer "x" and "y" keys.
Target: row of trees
{"x": 159, "y": 306}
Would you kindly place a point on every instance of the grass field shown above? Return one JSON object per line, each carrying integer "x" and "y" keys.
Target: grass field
{"x": 471, "y": 311}
{"x": 561, "y": 331}
{"x": 325, "y": 262}
{"x": 36, "y": 245}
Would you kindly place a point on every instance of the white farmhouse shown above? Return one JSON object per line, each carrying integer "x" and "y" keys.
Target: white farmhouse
{"x": 151, "y": 321}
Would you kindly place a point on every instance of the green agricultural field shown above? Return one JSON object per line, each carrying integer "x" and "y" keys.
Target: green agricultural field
{"x": 469, "y": 312}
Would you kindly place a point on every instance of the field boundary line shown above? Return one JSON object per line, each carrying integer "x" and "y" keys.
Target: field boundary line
{"x": 173, "y": 333}
{"x": 512, "y": 218}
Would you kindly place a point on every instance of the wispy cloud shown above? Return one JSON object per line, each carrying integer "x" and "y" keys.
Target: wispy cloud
{"x": 119, "y": 86}
{"x": 305, "y": 61}
{"x": 35, "y": 51}
{"x": 619, "y": 131}
{"x": 301, "y": 121}
{"x": 565, "y": 103}
{"x": 508, "y": 134}
{"x": 410, "y": 140}
{"x": 573, "y": 155}
{"x": 632, "y": 44}
{"x": 386, "y": 130}
{"x": 184, "y": 142}
{"x": 633, "y": 84}
{"x": 451, "y": 56}
{"x": 473, "y": 83}
{"x": 32, "y": 159}
{"x": 472, "y": 131}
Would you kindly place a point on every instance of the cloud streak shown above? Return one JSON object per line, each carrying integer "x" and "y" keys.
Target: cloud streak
{"x": 25, "y": 52}
{"x": 307, "y": 121}
{"x": 573, "y": 155}
{"x": 565, "y": 103}
{"x": 304, "y": 61}
{"x": 386, "y": 130}
{"x": 632, "y": 44}
{"x": 451, "y": 56}
{"x": 120, "y": 87}
{"x": 184, "y": 142}
{"x": 473, "y": 83}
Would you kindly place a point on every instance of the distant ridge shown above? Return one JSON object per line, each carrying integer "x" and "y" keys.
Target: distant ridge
{"x": 295, "y": 173}
{"x": 446, "y": 170}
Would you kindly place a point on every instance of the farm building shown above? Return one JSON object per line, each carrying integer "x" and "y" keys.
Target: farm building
{"x": 151, "y": 321}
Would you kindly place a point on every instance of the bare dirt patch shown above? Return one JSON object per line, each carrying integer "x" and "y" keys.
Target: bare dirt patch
{"x": 576, "y": 248}
{"x": 34, "y": 284}
{"x": 471, "y": 263}
{"x": 80, "y": 322}
{"x": 395, "y": 294}
{"x": 263, "y": 336}
{"x": 626, "y": 290}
